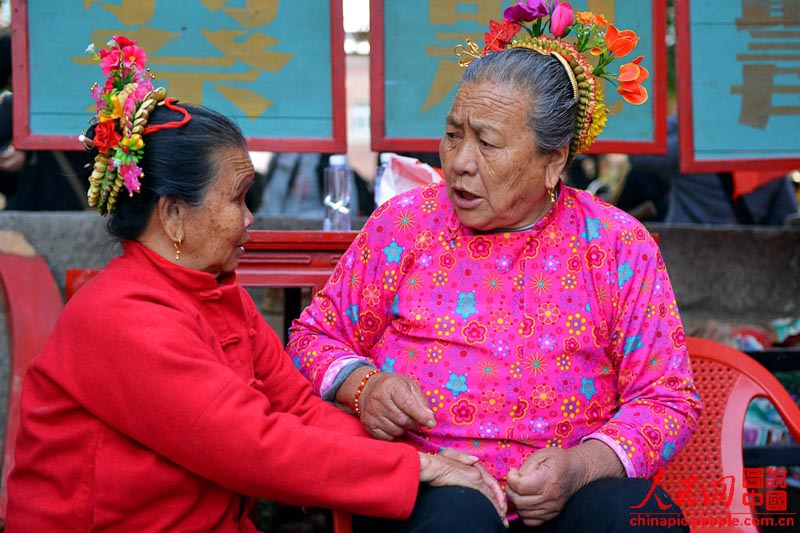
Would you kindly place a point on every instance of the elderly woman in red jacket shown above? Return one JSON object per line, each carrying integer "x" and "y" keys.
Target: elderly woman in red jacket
{"x": 162, "y": 401}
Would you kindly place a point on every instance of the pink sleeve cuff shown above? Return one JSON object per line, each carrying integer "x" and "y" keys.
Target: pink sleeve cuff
{"x": 333, "y": 370}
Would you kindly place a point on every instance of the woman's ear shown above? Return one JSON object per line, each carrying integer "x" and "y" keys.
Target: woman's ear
{"x": 556, "y": 162}
{"x": 171, "y": 213}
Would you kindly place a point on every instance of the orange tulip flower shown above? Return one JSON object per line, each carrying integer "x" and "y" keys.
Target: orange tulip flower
{"x": 620, "y": 43}
{"x": 587, "y": 18}
{"x": 631, "y": 76}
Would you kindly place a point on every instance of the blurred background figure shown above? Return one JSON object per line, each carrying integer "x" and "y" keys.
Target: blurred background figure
{"x": 704, "y": 198}
{"x": 610, "y": 177}
{"x": 293, "y": 186}
{"x": 653, "y": 189}
{"x": 11, "y": 161}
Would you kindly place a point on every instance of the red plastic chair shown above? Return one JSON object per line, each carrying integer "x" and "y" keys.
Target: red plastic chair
{"x": 342, "y": 522}
{"x": 727, "y": 381}
{"x": 32, "y": 305}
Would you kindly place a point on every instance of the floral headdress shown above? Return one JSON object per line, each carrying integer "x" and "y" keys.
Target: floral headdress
{"x": 124, "y": 103}
{"x": 593, "y": 34}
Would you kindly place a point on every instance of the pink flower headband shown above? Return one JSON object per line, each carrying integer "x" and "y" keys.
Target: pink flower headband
{"x": 593, "y": 34}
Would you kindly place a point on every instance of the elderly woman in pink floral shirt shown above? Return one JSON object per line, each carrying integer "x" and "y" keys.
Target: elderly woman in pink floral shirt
{"x": 505, "y": 314}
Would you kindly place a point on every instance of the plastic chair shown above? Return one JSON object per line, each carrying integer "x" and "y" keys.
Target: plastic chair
{"x": 32, "y": 305}
{"x": 342, "y": 522}
{"x": 727, "y": 381}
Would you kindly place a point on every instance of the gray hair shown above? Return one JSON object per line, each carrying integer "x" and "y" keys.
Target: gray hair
{"x": 543, "y": 79}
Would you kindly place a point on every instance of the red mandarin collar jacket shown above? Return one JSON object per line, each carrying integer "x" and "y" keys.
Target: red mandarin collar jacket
{"x": 162, "y": 397}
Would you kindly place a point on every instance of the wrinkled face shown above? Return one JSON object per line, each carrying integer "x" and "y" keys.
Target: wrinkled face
{"x": 495, "y": 176}
{"x": 216, "y": 231}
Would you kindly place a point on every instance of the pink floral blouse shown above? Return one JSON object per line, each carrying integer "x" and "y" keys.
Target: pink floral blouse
{"x": 519, "y": 340}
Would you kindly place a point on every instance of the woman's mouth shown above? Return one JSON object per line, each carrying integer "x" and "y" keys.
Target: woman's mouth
{"x": 465, "y": 199}
{"x": 240, "y": 247}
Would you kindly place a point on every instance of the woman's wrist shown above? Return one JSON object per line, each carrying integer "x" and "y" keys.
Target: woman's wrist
{"x": 346, "y": 395}
{"x": 358, "y": 402}
{"x": 595, "y": 460}
{"x": 424, "y": 467}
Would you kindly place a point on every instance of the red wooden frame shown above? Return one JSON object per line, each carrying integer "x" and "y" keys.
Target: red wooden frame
{"x": 291, "y": 258}
{"x": 688, "y": 163}
{"x": 658, "y": 94}
{"x": 25, "y": 139}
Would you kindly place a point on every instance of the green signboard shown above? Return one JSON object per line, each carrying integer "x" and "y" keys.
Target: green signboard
{"x": 739, "y": 84}
{"x": 415, "y": 72}
{"x": 275, "y": 66}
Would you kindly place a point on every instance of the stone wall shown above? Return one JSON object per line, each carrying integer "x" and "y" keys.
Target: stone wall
{"x": 733, "y": 273}
{"x": 727, "y": 273}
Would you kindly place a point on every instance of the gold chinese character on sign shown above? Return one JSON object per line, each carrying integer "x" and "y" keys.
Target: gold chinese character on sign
{"x": 187, "y": 75}
{"x": 448, "y": 13}
{"x": 771, "y": 65}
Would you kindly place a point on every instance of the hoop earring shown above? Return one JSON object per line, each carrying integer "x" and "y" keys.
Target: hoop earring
{"x": 177, "y": 250}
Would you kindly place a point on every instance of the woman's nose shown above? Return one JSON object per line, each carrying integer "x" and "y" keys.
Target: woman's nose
{"x": 465, "y": 161}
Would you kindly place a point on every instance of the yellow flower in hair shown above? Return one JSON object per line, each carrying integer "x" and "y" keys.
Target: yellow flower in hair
{"x": 114, "y": 112}
{"x": 594, "y": 125}
{"x": 134, "y": 142}
{"x": 599, "y": 119}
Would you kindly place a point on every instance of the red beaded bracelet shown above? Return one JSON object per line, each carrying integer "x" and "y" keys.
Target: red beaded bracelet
{"x": 360, "y": 389}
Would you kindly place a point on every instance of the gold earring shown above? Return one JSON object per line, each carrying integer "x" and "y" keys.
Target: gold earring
{"x": 552, "y": 194}
{"x": 177, "y": 250}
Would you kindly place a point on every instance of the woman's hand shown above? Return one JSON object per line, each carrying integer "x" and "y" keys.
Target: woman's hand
{"x": 393, "y": 403}
{"x": 541, "y": 487}
{"x": 11, "y": 160}
{"x": 454, "y": 468}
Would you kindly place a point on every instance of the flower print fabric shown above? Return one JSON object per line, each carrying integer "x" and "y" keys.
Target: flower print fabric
{"x": 518, "y": 340}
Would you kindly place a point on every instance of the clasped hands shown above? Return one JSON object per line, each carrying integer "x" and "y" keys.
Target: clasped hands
{"x": 393, "y": 403}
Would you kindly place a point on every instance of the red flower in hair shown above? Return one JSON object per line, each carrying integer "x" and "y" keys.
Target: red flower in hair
{"x": 106, "y": 135}
{"x": 500, "y": 35}
{"x": 117, "y": 136}
{"x": 592, "y": 34}
{"x": 133, "y": 55}
{"x": 123, "y": 41}
{"x": 109, "y": 60}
